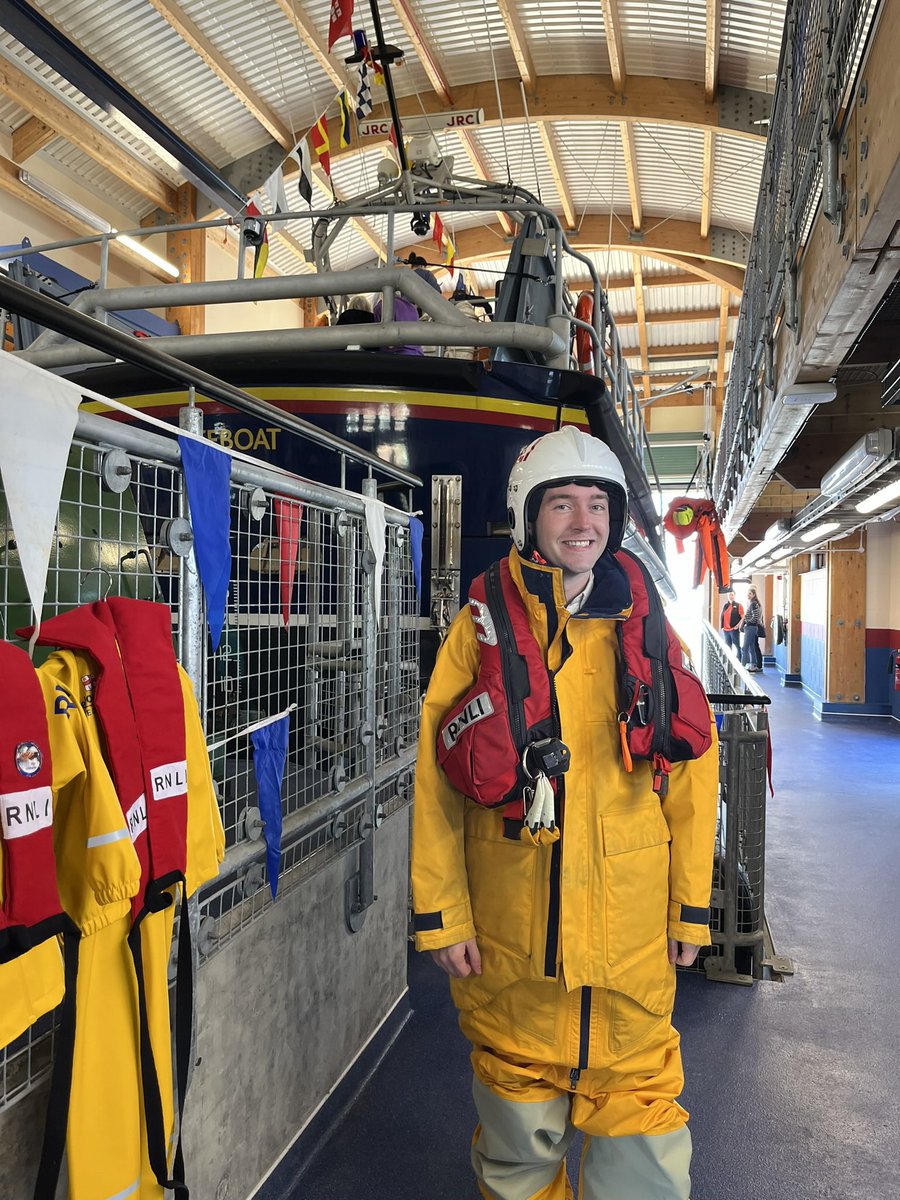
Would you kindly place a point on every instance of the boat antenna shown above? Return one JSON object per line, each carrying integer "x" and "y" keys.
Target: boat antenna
{"x": 388, "y": 54}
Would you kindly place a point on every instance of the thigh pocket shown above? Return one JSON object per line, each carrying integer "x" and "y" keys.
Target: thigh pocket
{"x": 636, "y": 868}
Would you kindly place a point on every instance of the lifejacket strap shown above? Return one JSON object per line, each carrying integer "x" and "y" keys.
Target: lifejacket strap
{"x": 54, "y": 1143}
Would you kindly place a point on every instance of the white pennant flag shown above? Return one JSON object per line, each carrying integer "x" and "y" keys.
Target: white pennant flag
{"x": 274, "y": 189}
{"x": 38, "y": 414}
{"x": 376, "y": 523}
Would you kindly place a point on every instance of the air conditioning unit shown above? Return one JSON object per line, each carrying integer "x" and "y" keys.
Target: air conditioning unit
{"x": 872, "y": 449}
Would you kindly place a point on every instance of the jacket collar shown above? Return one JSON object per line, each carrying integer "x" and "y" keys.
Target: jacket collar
{"x": 610, "y": 596}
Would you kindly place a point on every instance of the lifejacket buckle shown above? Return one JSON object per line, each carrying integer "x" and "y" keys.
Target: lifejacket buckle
{"x": 550, "y": 756}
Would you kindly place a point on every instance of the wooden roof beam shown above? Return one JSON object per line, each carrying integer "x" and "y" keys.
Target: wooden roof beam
{"x": 626, "y": 320}
{"x": 426, "y": 53}
{"x": 91, "y": 139}
{"x": 641, "y": 321}
{"x": 575, "y": 98}
{"x": 362, "y": 227}
{"x": 713, "y": 38}
{"x": 34, "y": 135}
{"x": 12, "y": 186}
{"x": 613, "y": 28}
{"x": 193, "y": 35}
{"x": 474, "y": 155}
{"x": 634, "y": 187}
{"x": 518, "y": 43}
{"x": 312, "y": 39}
{"x": 619, "y": 282}
{"x": 551, "y": 149}
{"x": 706, "y": 194}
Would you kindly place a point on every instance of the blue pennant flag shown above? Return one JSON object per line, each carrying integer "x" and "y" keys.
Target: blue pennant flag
{"x": 416, "y": 530}
{"x": 207, "y": 473}
{"x": 269, "y": 755}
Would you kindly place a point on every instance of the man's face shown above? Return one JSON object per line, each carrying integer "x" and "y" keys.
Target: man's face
{"x": 572, "y": 529}
{"x": 731, "y": 597}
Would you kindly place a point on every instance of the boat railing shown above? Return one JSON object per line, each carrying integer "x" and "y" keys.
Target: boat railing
{"x": 549, "y": 344}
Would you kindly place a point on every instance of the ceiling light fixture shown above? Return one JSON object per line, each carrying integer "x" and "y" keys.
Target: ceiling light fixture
{"x": 820, "y": 531}
{"x": 66, "y": 203}
{"x": 74, "y": 209}
{"x": 872, "y": 449}
{"x": 808, "y": 393}
{"x": 884, "y": 496}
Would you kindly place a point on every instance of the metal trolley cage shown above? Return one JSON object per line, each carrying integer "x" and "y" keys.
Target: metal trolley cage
{"x": 123, "y": 529}
{"x": 741, "y": 950}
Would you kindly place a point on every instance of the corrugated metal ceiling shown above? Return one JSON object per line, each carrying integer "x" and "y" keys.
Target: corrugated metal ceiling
{"x": 469, "y": 42}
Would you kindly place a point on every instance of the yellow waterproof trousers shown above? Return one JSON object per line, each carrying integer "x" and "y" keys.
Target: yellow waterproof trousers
{"x": 104, "y": 1130}
{"x": 637, "y": 1145}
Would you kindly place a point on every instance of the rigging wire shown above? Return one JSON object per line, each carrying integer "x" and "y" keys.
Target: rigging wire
{"x": 537, "y": 178}
{"x": 487, "y": 26}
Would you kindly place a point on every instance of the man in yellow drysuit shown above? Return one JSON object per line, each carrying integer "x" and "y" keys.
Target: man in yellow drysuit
{"x": 561, "y": 949}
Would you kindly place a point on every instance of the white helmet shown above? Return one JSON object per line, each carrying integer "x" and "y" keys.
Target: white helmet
{"x": 565, "y": 456}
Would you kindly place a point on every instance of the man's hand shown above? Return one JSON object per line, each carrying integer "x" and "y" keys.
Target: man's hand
{"x": 459, "y": 960}
{"x": 682, "y": 954}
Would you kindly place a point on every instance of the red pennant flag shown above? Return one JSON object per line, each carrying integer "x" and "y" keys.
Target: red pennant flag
{"x": 437, "y": 232}
{"x": 393, "y": 136}
{"x": 340, "y": 23}
{"x": 318, "y": 137}
{"x": 288, "y": 514}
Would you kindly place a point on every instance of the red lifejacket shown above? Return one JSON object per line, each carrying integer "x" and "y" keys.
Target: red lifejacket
{"x": 138, "y": 701}
{"x": 509, "y": 714}
{"x": 31, "y": 910}
{"x": 687, "y": 515}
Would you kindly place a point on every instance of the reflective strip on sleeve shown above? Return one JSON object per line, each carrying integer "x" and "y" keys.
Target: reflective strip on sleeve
{"x": 104, "y": 839}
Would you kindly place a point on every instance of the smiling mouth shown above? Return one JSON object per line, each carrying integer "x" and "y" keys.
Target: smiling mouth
{"x": 579, "y": 545}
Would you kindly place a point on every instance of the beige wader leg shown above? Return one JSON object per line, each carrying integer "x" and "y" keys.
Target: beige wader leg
{"x": 639, "y": 1167}
{"x": 519, "y": 1150}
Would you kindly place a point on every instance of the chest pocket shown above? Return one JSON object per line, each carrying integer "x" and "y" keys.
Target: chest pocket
{"x": 636, "y": 872}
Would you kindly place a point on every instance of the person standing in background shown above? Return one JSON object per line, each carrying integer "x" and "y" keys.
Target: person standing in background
{"x": 732, "y": 615}
{"x": 751, "y": 626}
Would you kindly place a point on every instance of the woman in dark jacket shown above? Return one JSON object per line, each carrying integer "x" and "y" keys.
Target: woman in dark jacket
{"x": 752, "y": 625}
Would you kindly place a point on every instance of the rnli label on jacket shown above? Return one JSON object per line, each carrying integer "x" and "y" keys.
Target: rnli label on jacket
{"x": 22, "y": 813}
{"x": 478, "y": 707}
{"x": 136, "y": 817}
{"x": 169, "y": 780}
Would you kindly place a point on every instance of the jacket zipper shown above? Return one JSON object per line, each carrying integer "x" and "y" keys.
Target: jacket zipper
{"x": 584, "y": 1038}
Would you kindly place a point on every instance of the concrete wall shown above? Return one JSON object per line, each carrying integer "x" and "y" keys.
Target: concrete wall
{"x": 282, "y": 1011}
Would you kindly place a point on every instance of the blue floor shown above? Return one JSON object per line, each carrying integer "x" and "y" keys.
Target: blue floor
{"x": 794, "y": 1087}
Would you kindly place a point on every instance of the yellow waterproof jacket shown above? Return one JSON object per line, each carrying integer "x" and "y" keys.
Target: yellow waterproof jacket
{"x": 593, "y": 909}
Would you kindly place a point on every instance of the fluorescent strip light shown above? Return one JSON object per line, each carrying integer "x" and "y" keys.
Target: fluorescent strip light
{"x": 150, "y": 255}
{"x": 884, "y": 496}
{"x": 66, "y": 203}
{"x": 74, "y": 209}
{"x": 860, "y": 460}
{"x": 819, "y": 531}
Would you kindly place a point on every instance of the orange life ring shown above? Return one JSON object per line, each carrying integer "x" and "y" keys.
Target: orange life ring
{"x": 584, "y": 347}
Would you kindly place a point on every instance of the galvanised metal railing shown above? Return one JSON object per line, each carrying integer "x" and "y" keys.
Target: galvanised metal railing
{"x": 823, "y": 46}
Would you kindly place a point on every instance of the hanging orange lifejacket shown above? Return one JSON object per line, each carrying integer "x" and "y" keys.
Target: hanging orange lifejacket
{"x": 584, "y": 347}
{"x": 687, "y": 515}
